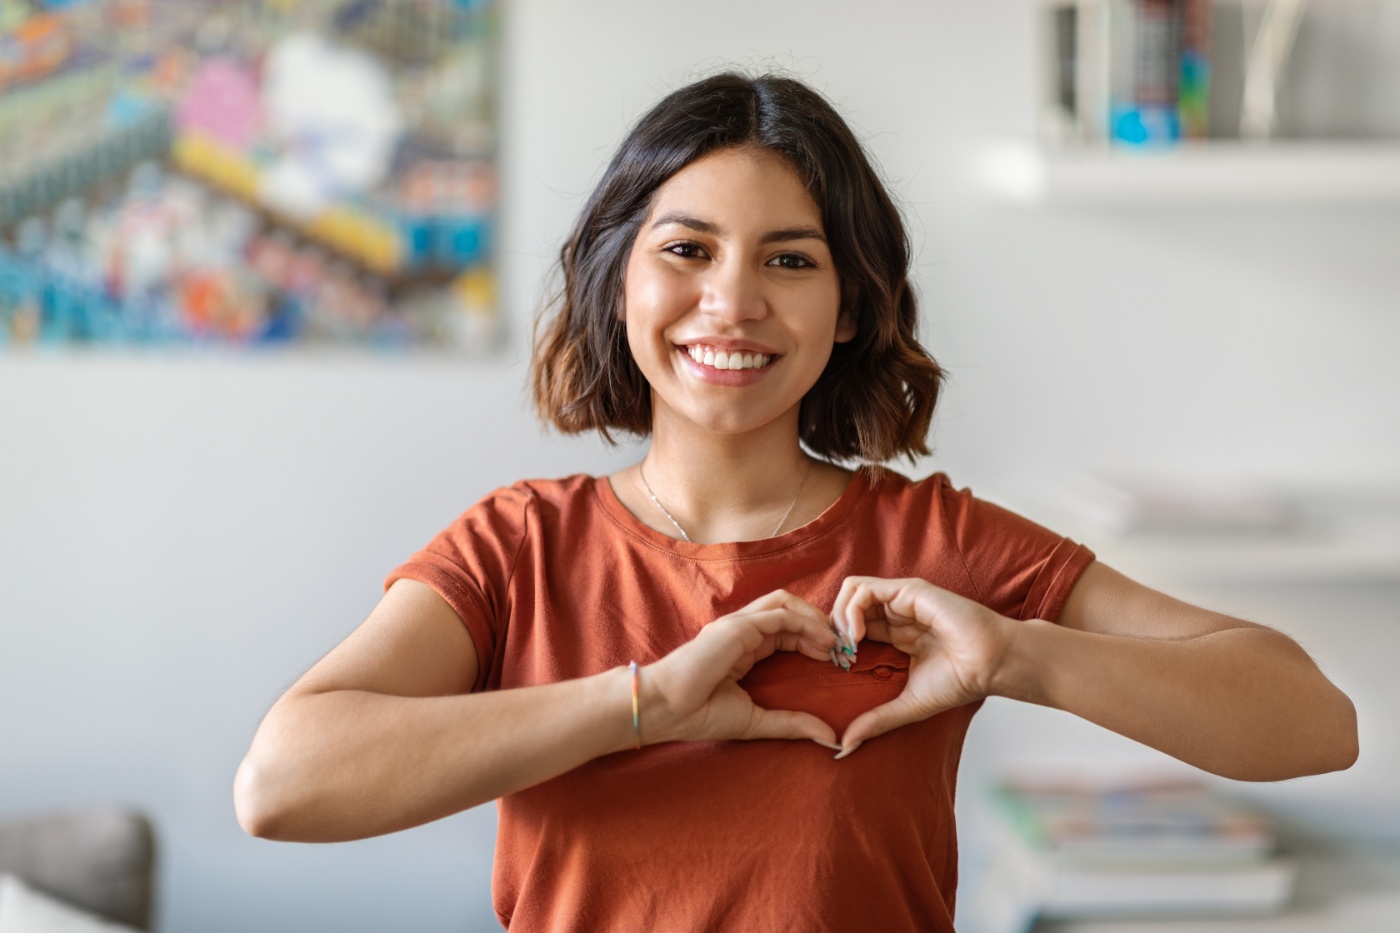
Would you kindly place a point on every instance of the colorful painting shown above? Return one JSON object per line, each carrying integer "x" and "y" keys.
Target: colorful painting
{"x": 248, "y": 173}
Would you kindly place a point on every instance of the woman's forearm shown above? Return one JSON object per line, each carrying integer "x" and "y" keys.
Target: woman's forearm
{"x": 347, "y": 764}
{"x": 1245, "y": 703}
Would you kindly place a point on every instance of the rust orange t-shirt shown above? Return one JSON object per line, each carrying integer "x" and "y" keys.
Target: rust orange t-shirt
{"x": 557, "y": 579}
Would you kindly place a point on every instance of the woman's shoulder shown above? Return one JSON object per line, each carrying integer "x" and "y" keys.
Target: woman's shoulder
{"x": 507, "y": 515}
{"x": 553, "y": 489}
{"x": 894, "y": 489}
{"x": 552, "y": 495}
{"x": 934, "y": 496}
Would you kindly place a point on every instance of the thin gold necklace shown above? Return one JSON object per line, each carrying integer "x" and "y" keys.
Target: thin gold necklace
{"x": 641, "y": 471}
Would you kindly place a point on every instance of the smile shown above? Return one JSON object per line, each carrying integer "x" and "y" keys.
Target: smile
{"x": 726, "y": 359}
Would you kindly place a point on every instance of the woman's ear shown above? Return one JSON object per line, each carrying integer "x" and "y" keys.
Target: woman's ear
{"x": 845, "y": 326}
{"x": 845, "y": 318}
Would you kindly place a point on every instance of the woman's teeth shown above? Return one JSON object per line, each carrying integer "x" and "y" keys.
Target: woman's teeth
{"x": 722, "y": 359}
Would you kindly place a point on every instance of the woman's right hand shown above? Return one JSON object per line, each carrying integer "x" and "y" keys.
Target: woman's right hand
{"x": 693, "y": 693}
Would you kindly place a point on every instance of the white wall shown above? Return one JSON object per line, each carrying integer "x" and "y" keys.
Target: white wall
{"x": 181, "y": 535}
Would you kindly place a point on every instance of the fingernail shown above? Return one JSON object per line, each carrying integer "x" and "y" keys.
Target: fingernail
{"x": 832, "y": 745}
{"x": 846, "y": 751}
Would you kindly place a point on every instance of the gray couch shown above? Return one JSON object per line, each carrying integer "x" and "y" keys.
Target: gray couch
{"x": 101, "y": 859}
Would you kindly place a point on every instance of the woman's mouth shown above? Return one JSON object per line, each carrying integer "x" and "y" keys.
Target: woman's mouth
{"x": 720, "y": 359}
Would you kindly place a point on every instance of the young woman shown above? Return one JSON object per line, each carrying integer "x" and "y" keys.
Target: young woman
{"x": 727, "y": 687}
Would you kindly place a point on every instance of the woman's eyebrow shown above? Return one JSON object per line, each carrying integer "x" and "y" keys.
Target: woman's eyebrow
{"x": 792, "y": 233}
{"x": 773, "y": 236}
{"x": 685, "y": 220}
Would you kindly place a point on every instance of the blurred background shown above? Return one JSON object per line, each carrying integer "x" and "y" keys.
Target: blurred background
{"x": 1183, "y": 356}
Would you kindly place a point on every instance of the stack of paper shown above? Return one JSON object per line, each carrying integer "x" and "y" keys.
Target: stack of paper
{"x": 1068, "y": 850}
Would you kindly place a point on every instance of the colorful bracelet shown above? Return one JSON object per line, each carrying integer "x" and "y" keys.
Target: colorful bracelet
{"x": 636, "y": 705}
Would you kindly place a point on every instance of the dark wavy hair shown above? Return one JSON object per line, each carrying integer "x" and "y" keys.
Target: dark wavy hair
{"x": 875, "y": 399}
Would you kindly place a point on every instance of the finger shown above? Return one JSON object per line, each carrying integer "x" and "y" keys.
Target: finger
{"x": 854, "y": 629}
{"x": 864, "y": 600}
{"x": 757, "y": 634}
{"x": 878, "y": 630}
{"x": 859, "y": 606}
{"x": 901, "y": 711}
{"x": 782, "y": 620}
{"x": 898, "y": 631}
{"x": 818, "y": 646}
{"x": 811, "y": 649}
{"x": 783, "y": 599}
{"x": 878, "y": 597}
{"x": 789, "y": 724}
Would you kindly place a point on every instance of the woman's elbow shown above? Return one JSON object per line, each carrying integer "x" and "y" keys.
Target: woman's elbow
{"x": 1337, "y": 745}
{"x": 255, "y": 802}
{"x": 1347, "y": 746}
{"x": 1332, "y": 745}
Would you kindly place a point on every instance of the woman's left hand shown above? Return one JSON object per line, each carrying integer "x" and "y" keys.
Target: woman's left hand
{"x": 955, "y": 647}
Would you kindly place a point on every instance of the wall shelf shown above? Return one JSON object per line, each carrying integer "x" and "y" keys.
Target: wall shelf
{"x": 1216, "y": 173}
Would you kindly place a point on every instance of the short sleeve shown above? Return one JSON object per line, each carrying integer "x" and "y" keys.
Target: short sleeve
{"x": 470, "y": 564}
{"x": 1020, "y": 569}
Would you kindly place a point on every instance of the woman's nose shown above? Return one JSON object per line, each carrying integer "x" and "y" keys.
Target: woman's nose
{"x": 734, "y": 291}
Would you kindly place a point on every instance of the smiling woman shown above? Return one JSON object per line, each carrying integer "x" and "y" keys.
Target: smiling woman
{"x": 651, "y": 671}
{"x": 875, "y": 399}
{"x": 732, "y": 262}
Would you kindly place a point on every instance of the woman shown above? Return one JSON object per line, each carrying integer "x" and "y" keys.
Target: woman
{"x": 651, "y": 670}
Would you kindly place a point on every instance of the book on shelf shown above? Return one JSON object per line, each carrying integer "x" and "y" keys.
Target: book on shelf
{"x": 1126, "y": 72}
{"x": 1070, "y": 850}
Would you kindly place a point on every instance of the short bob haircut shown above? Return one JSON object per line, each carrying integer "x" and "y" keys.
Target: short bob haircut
{"x": 875, "y": 399}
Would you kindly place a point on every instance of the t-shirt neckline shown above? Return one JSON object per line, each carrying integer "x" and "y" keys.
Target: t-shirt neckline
{"x": 731, "y": 550}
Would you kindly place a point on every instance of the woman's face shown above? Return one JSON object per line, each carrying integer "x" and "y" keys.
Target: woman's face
{"x": 731, "y": 297}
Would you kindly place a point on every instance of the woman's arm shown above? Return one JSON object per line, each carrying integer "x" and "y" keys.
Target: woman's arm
{"x": 1232, "y": 697}
{"x": 382, "y": 734}
{"x": 1228, "y": 696}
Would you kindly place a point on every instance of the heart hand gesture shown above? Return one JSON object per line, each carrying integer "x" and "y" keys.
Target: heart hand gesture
{"x": 955, "y": 647}
{"x": 693, "y": 693}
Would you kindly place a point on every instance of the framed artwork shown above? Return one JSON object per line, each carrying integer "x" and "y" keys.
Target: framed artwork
{"x": 270, "y": 172}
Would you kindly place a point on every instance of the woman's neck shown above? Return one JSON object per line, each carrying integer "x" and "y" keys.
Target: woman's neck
{"x": 727, "y": 487}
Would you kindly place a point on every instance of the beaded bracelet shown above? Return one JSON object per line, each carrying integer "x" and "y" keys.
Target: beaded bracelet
{"x": 636, "y": 705}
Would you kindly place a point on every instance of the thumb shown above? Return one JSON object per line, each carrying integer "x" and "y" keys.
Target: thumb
{"x": 790, "y": 724}
{"x": 897, "y": 712}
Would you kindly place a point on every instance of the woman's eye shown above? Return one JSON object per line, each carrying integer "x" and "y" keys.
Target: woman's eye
{"x": 792, "y": 261}
{"x": 685, "y": 250}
